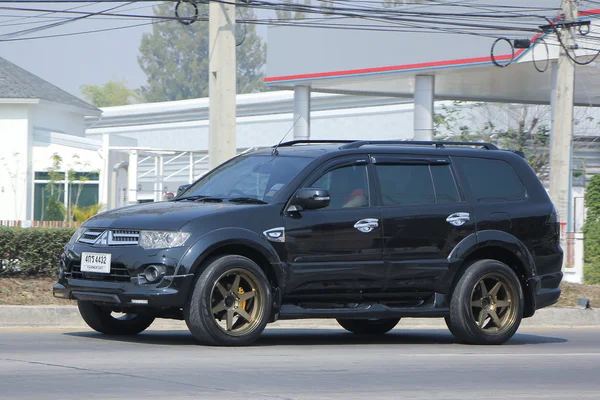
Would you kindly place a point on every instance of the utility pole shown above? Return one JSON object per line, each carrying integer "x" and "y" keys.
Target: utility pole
{"x": 562, "y": 127}
{"x": 222, "y": 83}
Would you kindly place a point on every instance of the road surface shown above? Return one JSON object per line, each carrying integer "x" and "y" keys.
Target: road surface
{"x": 299, "y": 364}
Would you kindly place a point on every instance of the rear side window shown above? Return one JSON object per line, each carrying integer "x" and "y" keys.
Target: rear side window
{"x": 491, "y": 180}
{"x": 406, "y": 185}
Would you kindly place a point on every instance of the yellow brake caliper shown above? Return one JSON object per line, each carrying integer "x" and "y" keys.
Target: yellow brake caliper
{"x": 242, "y": 303}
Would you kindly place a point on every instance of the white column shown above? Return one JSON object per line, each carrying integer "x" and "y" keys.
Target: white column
{"x": 132, "y": 177}
{"x": 302, "y": 112}
{"x": 423, "y": 114}
{"x": 191, "y": 177}
{"x": 105, "y": 173}
{"x": 221, "y": 83}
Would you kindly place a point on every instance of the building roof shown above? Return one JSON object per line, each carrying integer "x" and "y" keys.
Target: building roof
{"x": 17, "y": 83}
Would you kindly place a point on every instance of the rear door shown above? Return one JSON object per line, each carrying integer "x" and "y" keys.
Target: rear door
{"x": 424, "y": 216}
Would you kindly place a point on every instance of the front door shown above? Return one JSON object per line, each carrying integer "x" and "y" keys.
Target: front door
{"x": 336, "y": 252}
{"x": 424, "y": 217}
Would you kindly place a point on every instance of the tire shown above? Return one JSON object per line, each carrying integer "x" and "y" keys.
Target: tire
{"x": 488, "y": 313}
{"x": 215, "y": 303}
{"x": 101, "y": 320}
{"x": 369, "y": 326}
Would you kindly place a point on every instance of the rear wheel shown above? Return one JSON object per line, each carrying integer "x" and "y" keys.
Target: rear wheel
{"x": 231, "y": 303}
{"x": 106, "y": 321}
{"x": 369, "y": 326}
{"x": 487, "y": 304}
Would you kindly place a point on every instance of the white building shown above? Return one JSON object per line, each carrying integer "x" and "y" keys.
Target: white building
{"x": 37, "y": 119}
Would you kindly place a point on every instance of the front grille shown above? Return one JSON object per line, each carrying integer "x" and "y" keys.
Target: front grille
{"x": 103, "y": 237}
{"x": 118, "y": 273}
{"x": 123, "y": 237}
{"x": 90, "y": 236}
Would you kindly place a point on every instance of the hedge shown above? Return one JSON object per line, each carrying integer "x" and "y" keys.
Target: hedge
{"x": 591, "y": 232}
{"x": 32, "y": 251}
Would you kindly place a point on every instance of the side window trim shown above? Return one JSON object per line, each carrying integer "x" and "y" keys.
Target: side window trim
{"x": 340, "y": 162}
{"x": 390, "y": 159}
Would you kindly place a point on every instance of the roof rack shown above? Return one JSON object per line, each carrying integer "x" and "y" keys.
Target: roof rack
{"x": 293, "y": 142}
{"x": 440, "y": 144}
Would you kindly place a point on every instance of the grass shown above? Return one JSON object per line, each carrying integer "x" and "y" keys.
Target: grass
{"x": 38, "y": 291}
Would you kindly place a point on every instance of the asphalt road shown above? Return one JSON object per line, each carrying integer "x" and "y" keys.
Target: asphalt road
{"x": 299, "y": 364}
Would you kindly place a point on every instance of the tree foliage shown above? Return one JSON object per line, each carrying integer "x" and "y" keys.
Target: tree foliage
{"x": 112, "y": 93}
{"x": 174, "y": 57}
{"x": 517, "y": 127}
{"x": 288, "y": 12}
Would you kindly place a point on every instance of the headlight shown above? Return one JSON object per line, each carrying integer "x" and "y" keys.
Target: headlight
{"x": 162, "y": 239}
{"x": 77, "y": 234}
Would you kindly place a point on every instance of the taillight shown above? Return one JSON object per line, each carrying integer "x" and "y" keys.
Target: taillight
{"x": 553, "y": 222}
{"x": 554, "y": 217}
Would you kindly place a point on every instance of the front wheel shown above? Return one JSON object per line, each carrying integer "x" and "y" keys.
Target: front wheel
{"x": 369, "y": 326}
{"x": 231, "y": 303}
{"x": 486, "y": 306}
{"x": 102, "y": 320}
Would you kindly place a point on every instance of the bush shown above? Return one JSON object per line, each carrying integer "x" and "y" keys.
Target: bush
{"x": 591, "y": 245}
{"x": 591, "y": 232}
{"x": 32, "y": 251}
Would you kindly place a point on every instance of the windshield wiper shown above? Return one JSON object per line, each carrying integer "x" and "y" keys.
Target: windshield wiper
{"x": 199, "y": 198}
{"x": 247, "y": 200}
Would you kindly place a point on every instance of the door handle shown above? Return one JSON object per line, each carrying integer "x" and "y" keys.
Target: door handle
{"x": 367, "y": 225}
{"x": 458, "y": 219}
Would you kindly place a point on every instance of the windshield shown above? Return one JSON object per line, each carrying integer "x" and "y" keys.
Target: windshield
{"x": 256, "y": 177}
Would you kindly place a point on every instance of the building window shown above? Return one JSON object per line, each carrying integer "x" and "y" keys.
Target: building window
{"x": 55, "y": 200}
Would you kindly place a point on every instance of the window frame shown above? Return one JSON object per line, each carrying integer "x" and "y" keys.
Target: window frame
{"x": 335, "y": 163}
{"x": 392, "y": 159}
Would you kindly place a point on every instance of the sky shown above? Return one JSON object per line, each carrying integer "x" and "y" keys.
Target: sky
{"x": 71, "y": 61}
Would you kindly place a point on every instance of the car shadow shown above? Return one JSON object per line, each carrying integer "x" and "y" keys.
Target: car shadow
{"x": 318, "y": 337}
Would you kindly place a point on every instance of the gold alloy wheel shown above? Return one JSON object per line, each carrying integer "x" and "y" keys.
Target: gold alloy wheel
{"x": 237, "y": 302}
{"x": 493, "y": 304}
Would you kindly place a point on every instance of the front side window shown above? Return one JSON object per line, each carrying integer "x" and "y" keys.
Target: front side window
{"x": 348, "y": 186}
{"x": 257, "y": 176}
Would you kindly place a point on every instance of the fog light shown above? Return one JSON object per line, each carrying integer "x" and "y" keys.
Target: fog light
{"x": 154, "y": 273}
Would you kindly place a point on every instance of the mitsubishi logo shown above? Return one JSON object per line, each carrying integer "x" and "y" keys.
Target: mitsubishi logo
{"x": 103, "y": 239}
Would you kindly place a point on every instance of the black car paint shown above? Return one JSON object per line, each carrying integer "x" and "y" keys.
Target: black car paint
{"x": 354, "y": 274}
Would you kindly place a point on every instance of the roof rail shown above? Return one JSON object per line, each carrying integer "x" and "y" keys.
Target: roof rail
{"x": 437, "y": 144}
{"x": 293, "y": 142}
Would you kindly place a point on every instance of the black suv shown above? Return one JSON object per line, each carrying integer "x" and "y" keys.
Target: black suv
{"x": 364, "y": 232}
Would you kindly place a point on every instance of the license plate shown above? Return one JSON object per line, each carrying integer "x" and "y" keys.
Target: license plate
{"x": 95, "y": 262}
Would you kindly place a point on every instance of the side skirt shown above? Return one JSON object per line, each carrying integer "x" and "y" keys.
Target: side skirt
{"x": 435, "y": 307}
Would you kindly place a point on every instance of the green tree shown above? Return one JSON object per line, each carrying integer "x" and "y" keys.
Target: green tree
{"x": 112, "y": 93}
{"x": 54, "y": 209}
{"x": 399, "y": 3}
{"x": 591, "y": 232}
{"x": 174, "y": 58}
{"x": 289, "y": 11}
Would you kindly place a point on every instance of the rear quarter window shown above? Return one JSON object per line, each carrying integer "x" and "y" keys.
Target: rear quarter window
{"x": 490, "y": 180}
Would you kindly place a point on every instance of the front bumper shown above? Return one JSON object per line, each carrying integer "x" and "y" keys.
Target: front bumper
{"x": 127, "y": 294}
{"x": 124, "y": 286}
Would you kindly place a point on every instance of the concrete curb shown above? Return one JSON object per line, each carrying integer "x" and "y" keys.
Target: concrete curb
{"x": 68, "y": 317}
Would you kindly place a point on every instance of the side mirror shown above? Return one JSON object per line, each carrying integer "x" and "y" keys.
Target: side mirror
{"x": 311, "y": 199}
{"x": 182, "y": 189}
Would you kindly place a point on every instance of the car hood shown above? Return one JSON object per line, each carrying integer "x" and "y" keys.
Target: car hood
{"x": 171, "y": 215}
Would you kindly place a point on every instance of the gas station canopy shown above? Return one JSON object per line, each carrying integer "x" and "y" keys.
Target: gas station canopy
{"x": 384, "y": 60}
